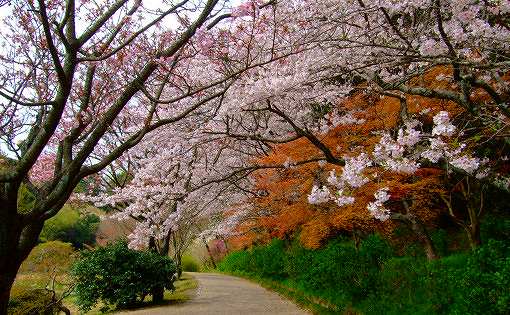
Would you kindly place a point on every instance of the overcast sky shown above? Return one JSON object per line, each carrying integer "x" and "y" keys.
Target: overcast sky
{"x": 150, "y": 4}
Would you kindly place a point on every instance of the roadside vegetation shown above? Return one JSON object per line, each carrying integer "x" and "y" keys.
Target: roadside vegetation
{"x": 373, "y": 278}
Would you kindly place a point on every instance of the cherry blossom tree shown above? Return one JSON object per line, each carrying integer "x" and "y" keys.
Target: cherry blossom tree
{"x": 405, "y": 154}
{"x": 381, "y": 49}
{"x": 82, "y": 82}
{"x": 188, "y": 181}
{"x": 447, "y": 51}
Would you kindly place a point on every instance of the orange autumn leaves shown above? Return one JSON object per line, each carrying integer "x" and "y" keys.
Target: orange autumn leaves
{"x": 286, "y": 211}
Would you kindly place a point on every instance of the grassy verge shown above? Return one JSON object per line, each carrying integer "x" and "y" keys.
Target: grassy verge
{"x": 185, "y": 289}
{"x": 291, "y": 291}
{"x": 372, "y": 280}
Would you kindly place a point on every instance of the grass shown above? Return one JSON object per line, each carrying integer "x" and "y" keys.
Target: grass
{"x": 185, "y": 289}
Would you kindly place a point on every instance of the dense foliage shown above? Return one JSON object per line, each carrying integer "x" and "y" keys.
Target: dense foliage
{"x": 49, "y": 257}
{"x": 372, "y": 279}
{"x": 189, "y": 263}
{"x": 71, "y": 227}
{"x": 118, "y": 276}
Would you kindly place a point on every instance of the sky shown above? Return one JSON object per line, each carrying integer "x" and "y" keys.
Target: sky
{"x": 150, "y": 4}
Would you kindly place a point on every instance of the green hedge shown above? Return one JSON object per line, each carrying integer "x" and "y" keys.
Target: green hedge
{"x": 267, "y": 261}
{"x": 189, "y": 263}
{"x": 372, "y": 280}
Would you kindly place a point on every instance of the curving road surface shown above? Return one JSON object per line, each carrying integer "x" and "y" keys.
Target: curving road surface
{"x": 226, "y": 295}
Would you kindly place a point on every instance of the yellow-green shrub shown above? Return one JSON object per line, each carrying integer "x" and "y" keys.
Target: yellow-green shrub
{"x": 189, "y": 263}
{"x": 48, "y": 257}
{"x": 32, "y": 302}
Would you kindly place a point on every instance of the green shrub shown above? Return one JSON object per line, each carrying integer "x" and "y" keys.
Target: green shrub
{"x": 440, "y": 240}
{"x": 32, "y": 302}
{"x": 375, "y": 251}
{"x": 119, "y": 276}
{"x": 71, "y": 227}
{"x": 190, "y": 264}
{"x": 48, "y": 257}
{"x": 261, "y": 261}
{"x": 373, "y": 281}
{"x": 236, "y": 262}
{"x": 465, "y": 283}
{"x": 495, "y": 227}
{"x": 483, "y": 285}
{"x": 269, "y": 260}
{"x": 329, "y": 268}
{"x": 399, "y": 289}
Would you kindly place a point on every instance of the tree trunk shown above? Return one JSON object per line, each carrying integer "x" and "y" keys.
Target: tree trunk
{"x": 475, "y": 215}
{"x": 356, "y": 235}
{"x": 476, "y": 209}
{"x": 6, "y": 280}
{"x": 64, "y": 309}
{"x": 473, "y": 232}
{"x": 157, "y": 294}
{"x": 421, "y": 233}
{"x": 16, "y": 242}
{"x": 226, "y": 244}
{"x": 209, "y": 252}
{"x": 178, "y": 265}
{"x": 424, "y": 237}
{"x": 177, "y": 256}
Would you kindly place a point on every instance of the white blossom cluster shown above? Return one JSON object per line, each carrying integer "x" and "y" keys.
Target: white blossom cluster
{"x": 376, "y": 208}
{"x": 342, "y": 200}
{"x": 442, "y": 125}
{"x": 391, "y": 154}
{"x": 455, "y": 156}
{"x": 319, "y": 195}
{"x": 399, "y": 155}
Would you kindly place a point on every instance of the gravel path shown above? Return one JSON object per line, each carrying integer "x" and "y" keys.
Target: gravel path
{"x": 225, "y": 295}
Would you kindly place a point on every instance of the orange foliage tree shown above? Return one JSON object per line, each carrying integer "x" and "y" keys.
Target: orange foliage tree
{"x": 283, "y": 210}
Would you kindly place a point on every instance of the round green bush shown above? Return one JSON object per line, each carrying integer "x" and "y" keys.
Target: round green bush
{"x": 49, "y": 257}
{"x": 120, "y": 277}
{"x": 71, "y": 227}
{"x": 32, "y": 302}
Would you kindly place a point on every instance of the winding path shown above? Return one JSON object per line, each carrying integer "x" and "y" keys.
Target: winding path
{"x": 225, "y": 295}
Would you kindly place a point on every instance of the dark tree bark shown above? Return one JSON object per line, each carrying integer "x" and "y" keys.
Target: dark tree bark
{"x": 419, "y": 229}
{"x": 473, "y": 198}
{"x": 473, "y": 232}
{"x": 157, "y": 294}
{"x": 12, "y": 254}
{"x": 420, "y": 232}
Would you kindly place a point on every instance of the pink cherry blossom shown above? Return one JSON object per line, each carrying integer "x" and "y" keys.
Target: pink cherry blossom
{"x": 376, "y": 208}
